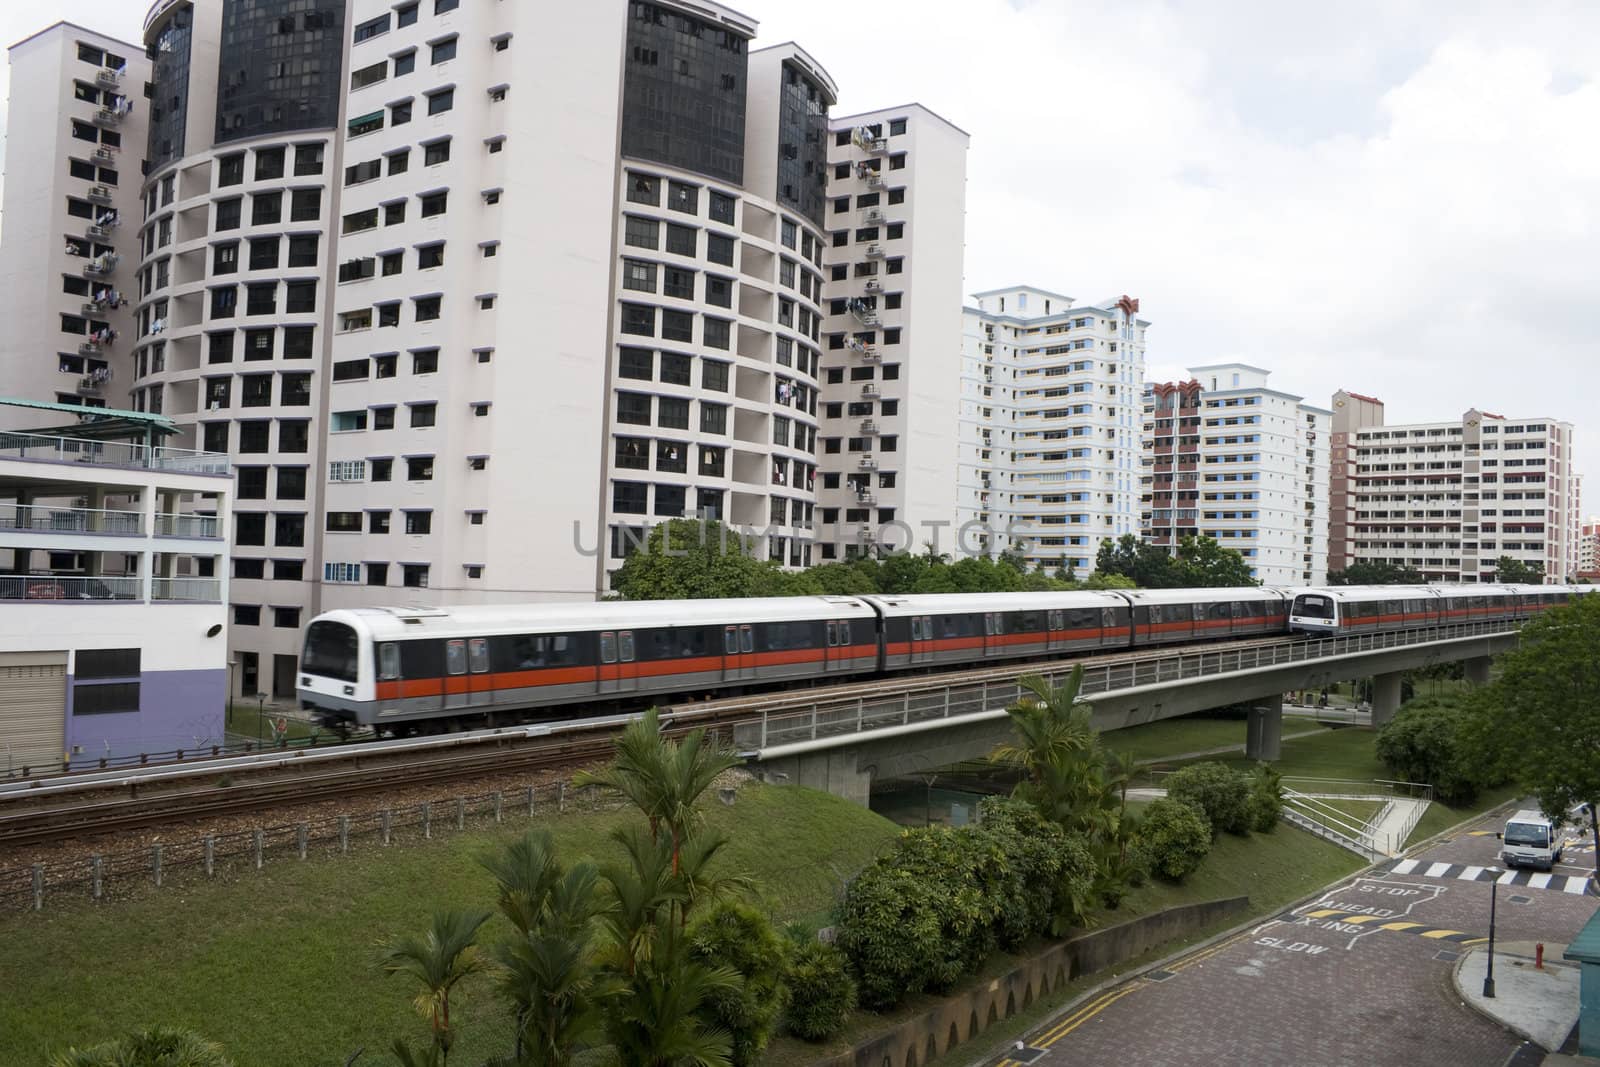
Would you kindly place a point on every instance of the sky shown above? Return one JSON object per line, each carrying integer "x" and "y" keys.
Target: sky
{"x": 1398, "y": 198}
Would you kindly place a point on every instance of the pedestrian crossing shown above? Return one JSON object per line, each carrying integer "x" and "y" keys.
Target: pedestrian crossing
{"x": 1563, "y": 883}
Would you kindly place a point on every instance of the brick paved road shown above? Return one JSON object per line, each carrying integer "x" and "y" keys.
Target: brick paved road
{"x": 1360, "y": 976}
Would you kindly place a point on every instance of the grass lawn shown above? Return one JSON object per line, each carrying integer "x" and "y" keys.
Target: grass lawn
{"x": 1440, "y": 817}
{"x": 1191, "y": 733}
{"x": 1350, "y": 812}
{"x": 277, "y": 964}
{"x": 1342, "y": 753}
{"x": 1271, "y": 869}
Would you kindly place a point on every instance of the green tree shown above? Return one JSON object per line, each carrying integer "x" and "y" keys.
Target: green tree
{"x": 1375, "y": 572}
{"x": 822, "y": 992}
{"x": 1266, "y": 799}
{"x": 547, "y": 970}
{"x": 1218, "y": 790}
{"x": 437, "y": 961}
{"x": 1539, "y": 722}
{"x": 740, "y": 937}
{"x": 153, "y": 1046}
{"x": 1201, "y": 562}
{"x": 1051, "y": 723}
{"x": 1174, "y": 838}
{"x": 664, "y": 779}
{"x": 689, "y": 559}
{"x": 1146, "y": 565}
{"x": 1429, "y": 742}
{"x": 1516, "y": 572}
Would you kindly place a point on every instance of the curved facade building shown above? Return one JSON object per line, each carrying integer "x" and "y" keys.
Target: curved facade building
{"x": 230, "y": 320}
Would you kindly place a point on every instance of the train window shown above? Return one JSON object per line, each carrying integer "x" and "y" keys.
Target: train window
{"x": 1222, "y": 610}
{"x": 730, "y": 640}
{"x": 608, "y": 647}
{"x": 916, "y": 628}
{"x": 455, "y": 657}
{"x": 478, "y": 654}
{"x": 331, "y": 650}
{"x": 1108, "y": 617}
{"x": 388, "y": 661}
{"x": 833, "y": 634}
{"x": 625, "y": 644}
{"x": 747, "y": 640}
{"x": 844, "y": 633}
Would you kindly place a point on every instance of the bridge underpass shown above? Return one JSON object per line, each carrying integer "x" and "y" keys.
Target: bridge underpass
{"x": 917, "y": 723}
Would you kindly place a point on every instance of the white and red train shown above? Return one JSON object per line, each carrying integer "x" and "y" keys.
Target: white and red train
{"x": 404, "y": 669}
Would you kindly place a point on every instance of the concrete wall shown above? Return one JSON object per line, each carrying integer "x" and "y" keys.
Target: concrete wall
{"x": 919, "y": 1040}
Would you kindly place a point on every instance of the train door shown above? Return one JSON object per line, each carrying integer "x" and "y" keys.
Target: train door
{"x": 456, "y": 692}
{"x": 922, "y": 639}
{"x": 994, "y": 628}
{"x": 480, "y": 690}
{"x": 619, "y": 672}
{"x": 840, "y": 655}
{"x": 738, "y": 653}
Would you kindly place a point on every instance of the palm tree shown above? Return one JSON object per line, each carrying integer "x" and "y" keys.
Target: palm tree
{"x": 438, "y": 961}
{"x": 154, "y": 1046}
{"x": 659, "y": 1023}
{"x": 526, "y": 874}
{"x": 1051, "y": 724}
{"x": 664, "y": 779}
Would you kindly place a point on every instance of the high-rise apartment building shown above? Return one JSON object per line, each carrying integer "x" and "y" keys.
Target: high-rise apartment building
{"x": 1049, "y": 447}
{"x": 891, "y": 360}
{"x": 1589, "y": 548}
{"x": 1351, "y": 412}
{"x": 72, "y": 202}
{"x": 1230, "y": 458}
{"x": 1451, "y": 498}
{"x": 231, "y": 289}
{"x": 470, "y": 303}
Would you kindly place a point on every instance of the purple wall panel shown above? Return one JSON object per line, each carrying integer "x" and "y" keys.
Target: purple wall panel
{"x": 177, "y": 709}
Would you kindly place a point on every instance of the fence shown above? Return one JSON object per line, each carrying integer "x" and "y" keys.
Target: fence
{"x": 917, "y": 701}
{"x": 200, "y": 751}
{"x": 96, "y": 876}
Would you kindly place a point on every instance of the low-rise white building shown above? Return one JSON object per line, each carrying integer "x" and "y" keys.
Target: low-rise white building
{"x": 1049, "y": 425}
{"x": 1230, "y": 458}
{"x": 113, "y": 586}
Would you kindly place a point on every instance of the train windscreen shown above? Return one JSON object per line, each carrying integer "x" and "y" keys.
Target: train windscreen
{"x": 331, "y": 651}
{"x": 1310, "y": 606}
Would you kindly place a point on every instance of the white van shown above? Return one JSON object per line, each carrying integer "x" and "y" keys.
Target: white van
{"x": 1531, "y": 840}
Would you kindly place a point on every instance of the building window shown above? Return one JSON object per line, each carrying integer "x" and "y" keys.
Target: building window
{"x": 713, "y": 418}
{"x": 714, "y": 375}
{"x": 639, "y": 319}
{"x": 675, "y": 369}
{"x": 683, "y": 197}
{"x": 440, "y": 102}
{"x": 419, "y": 468}
{"x": 682, "y": 240}
{"x": 679, "y": 283}
{"x": 642, "y": 233}
{"x": 378, "y": 522}
{"x": 719, "y": 249}
{"x": 245, "y": 615}
{"x": 436, "y": 153}
{"x": 434, "y": 204}
{"x": 677, "y": 325}
{"x": 721, "y": 208}
{"x": 430, "y": 256}
{"x": 419, "y": 522}
{"x": 629, "y": 498}
{"x": 719, "y": 291}
{"x": 639, "y": 275}
{"x": 427, "y": 308}
{"x": 444, "y": 51}
{"x": 424, "y": 415}
{"x": 717, "y": 333}
{"x": 414, "y": 575}
{"x": 425, "y": 361}
{"x": 672, "y": 413}
{"x": 644, "y": 189}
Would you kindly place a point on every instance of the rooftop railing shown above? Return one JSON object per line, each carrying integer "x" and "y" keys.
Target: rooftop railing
{"x": 46, "y": 449}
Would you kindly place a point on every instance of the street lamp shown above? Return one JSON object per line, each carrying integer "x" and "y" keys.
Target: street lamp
{"x": 261, "y": 713}
{"x": 1488, "y": 977}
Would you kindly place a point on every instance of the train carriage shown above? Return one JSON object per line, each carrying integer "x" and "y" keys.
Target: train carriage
{"x": 393, "y": 665}
{"x": 944, "y": 628}
{"x": 1169, "y": 616}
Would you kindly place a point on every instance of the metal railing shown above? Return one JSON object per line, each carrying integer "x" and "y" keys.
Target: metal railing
{"x": 172, "y": 525}
{"x": 45, "y": 449}
{"x": 39, "y": 587}
{"x": 919, "y": 701}
{"x": 70, "y": 520}
{"x": 190, "y": 590}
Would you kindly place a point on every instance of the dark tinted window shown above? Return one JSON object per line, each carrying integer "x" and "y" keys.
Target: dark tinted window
{"x": 331, "y": 651}
{"x": 279, "y": 70}
{"x": 684, "y": 93}
{"x": 106, "y": 663}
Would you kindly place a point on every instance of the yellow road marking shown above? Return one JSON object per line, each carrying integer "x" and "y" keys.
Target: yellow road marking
{"x": 1077, "y": 1016}
{"x": 1357, "y": 920}
{"x": 1436, "y": 934}
{"x": 1474, "y": 941}
{"x": 1400, "y": 926}
{"x": 1322, "y": 913}
{"x": 1084, "y": 1016}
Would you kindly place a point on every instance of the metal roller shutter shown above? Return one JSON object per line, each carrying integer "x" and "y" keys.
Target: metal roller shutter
{"x": 33, "y": 709}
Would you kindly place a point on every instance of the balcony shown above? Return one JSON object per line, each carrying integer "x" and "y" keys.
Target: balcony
{"x": 107, "y": 78}
{"x": 875, "y": 180}
{"x": 99, "y": 194}
{"x": 875, "y": 251}
{"x": 873, "y": 217}
{"x": 194, "y": 526}
{"x": 69, "y": 587}
{"x": 866, "y": 497}
{"x": 99, "y": 233}
{"x": 102, "y": 266}
{"x": 874, "y": 285}
{"x": 105, "y": 154}
{"x": 88, "y": 348}
{"x": 865, "y": 313}
{"x": 107, "y": 117}
{"x": 37, "y": 448}
{"x": 870, "y": 391}
{"x": 186, "y": 590}
{"x": 866, "y": 351}
{"x": 868, "y": 427}
{"x": 868, "y": 463}
{"x": 42, "y": 518}
{"x": 92, "y": 307}
{"x": 863, "y": 138}
{"x": 90, "y": 385}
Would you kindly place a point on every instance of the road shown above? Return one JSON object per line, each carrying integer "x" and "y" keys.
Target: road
{"x": 1361, "y": 975}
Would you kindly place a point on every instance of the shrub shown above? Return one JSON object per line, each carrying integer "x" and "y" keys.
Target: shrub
{"x": 1174, "y": 838}
{"x": 821, "y": 992}
{"x": 1266, "y": 799}
{"x": 738, "y": 936}
{"x": 1041, "y": 868}
{"x": 1222, "y": 793}
{"x": 1426, "y": 743}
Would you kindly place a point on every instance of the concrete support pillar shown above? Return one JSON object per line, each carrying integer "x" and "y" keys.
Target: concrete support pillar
{"x": 1476, "y": 669}
{"x": 1385, "y": 697}
{"x": 1264, "y": 729}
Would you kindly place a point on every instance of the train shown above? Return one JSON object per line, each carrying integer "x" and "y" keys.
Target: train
{"x": 423, "y": 670}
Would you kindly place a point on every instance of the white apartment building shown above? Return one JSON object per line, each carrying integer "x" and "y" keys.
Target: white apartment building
{"x": 1450, "y": 498}
{"x": 1049, "y": 425}
{"x": 73, "y": 146}
{"x": 113, "y": 587}
{"x": 1228, "y": 457}
{"x": 1589, "y": 548}
{"x": 891, "y": 362}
